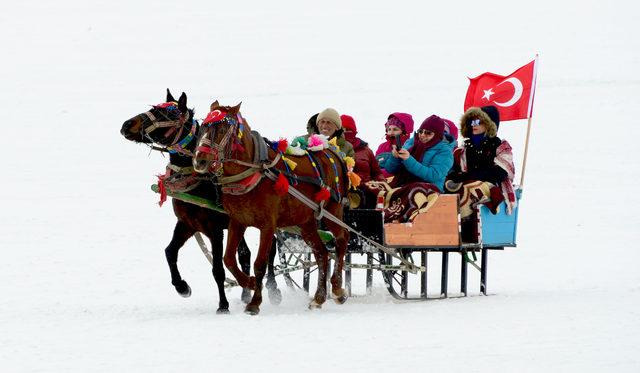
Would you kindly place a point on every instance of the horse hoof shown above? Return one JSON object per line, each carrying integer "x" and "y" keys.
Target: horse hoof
{"x": 339, "y": 298}
{"x": 222, "y": 311}
{"x": 275, "y": 296}
{"x": 314, "y": 305}
{"x": 246, "y": 296}
{"x": 183, "y": 289}
{"x": 251, "y": 310}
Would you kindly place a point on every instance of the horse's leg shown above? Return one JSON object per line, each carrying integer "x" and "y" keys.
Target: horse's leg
{"x": 244, "y": 256}
{"x": 259, "y": 269}
{"x": 235, "y": 234}
{"x": 181, "y": 233}
{"x": 275, "y": 296}
{"x": 311, "y": 237}
{"x": 218, "y": 269}
{"x": 342, "y": 237}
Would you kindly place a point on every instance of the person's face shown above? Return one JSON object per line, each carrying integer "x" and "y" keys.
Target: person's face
{"x": 425, "y": 135}
{"x": 393, "y": 130}
{"x": 477, "y": 128}
{"x": 326, "y": 127}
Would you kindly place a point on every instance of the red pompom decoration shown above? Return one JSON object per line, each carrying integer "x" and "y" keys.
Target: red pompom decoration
{"x": 282, "y": 145}
{"x": 281, "y": 186}
{"x": 323, "y": 195}
{"x": 162, "y": 189}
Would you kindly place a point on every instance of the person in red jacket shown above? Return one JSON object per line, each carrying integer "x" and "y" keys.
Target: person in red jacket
{"x": 366, "y": 164}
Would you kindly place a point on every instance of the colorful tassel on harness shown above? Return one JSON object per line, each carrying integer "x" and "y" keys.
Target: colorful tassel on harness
{"x": 292, "y": 165}
{"x": 323, "y": 195}
{"x": 162, "y": 189}
{"x": 281, "y": 186}
{"x": 350, "y": 162}
{"x": 354, "y": 179}
{"x": 283, "y": 144}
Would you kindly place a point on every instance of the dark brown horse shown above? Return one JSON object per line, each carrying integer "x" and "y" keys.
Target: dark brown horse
{"x": 171, "y": 126}
{"x": 227, "y": 148}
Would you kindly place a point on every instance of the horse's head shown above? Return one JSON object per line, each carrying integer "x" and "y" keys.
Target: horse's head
{"x": 221, "y": 131}
{"x": 164, "y": 124}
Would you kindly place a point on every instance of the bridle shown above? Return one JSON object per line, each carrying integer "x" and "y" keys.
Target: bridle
{"x": 221, "y": 151}
{"x": 176, "y": 126}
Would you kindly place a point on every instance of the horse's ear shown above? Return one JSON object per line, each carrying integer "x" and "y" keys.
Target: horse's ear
{"x": 170, "y": 96}
{"x": 182, "y": 102}
{"x": 214, "y": 105}
{"x": 236, "y": 109}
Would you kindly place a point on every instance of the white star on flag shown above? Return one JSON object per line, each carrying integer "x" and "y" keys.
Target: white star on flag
{"x": 487, "y": 94}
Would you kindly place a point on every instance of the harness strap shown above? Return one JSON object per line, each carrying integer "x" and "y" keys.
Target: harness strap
{"x": 310, "y": 180}
{"x": 257, "y": 165}
{"x": 170, "y": 123}
{"x": 180, "y": 170}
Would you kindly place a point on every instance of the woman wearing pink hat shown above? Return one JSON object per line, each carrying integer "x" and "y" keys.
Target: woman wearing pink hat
{"x": 398, "y": 126}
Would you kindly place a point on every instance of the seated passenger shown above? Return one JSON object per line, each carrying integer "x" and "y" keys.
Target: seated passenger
{"x": 327, "y": 123}
{"x": 451, "y": 132}
{"x": 483, "y": 170}
{"x": 419, "y": 170}
{"x": 366, "y": 164}
{"x": 398, "y": 124}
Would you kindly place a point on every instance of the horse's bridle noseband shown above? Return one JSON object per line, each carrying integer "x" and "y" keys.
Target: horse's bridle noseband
{"x": 173, "y": 124}
{"x": 220, "y": 151}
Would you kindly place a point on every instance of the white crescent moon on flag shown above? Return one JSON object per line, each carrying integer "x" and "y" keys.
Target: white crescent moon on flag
{"x": 517, "y": 86}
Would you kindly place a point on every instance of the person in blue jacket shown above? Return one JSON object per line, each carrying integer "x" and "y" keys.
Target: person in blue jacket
{"x": 421, "y": 166}
{"x": 426, "y": 157}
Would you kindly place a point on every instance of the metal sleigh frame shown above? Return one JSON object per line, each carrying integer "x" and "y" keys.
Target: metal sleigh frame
{"x": 389, "y": 248}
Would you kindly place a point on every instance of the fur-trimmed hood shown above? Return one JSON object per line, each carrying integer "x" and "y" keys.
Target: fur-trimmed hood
{"x": 477, "y": 113}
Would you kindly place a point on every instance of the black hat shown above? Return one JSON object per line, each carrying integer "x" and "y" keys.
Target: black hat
{"x": 493, "y": 113}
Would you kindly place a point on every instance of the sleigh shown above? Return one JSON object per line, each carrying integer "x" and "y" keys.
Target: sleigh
{"x": 404, "y": 263}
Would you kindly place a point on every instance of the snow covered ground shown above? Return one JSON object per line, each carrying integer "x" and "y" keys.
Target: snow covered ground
{"x": 84, "y": 280}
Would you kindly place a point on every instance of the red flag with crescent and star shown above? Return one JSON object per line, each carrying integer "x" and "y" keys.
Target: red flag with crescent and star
{"x": 512, "y": 94}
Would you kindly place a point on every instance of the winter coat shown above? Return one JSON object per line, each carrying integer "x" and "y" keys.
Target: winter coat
{"x": 432, "y": 168}
{"x": 366, "y": 163}
{"x": 480, "y": 160}
{"x": 453, "y": 143}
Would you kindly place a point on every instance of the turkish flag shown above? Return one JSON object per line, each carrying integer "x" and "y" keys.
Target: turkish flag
{"x": 512, "y": 94}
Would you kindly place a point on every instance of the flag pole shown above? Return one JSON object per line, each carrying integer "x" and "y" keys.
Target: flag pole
{"x": 531, "y": 96}
{"x": 526, "y": 150}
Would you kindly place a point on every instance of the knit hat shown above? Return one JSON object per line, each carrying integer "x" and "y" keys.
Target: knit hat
{"x": 330, "y": 115}
{"x": 401, "y": 120}
{"x": 434, "y": 123}
{"x": 348, "y": 123}
{"x": 493, "y": 113}
{"x": 450, "y": 128}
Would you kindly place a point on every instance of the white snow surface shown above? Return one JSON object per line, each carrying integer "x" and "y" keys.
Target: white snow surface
{"x": 84, "y": 281}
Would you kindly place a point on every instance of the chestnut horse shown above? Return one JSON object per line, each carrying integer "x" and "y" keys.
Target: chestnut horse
{"x": 227, "y": 148}
{"x": 172, "y": 127}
